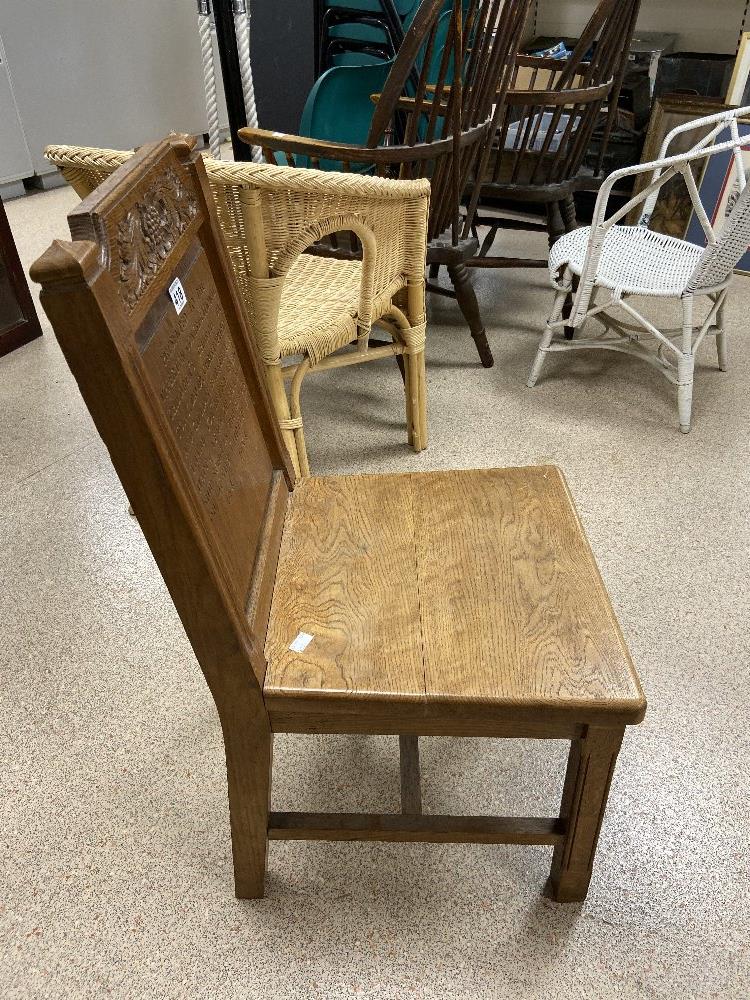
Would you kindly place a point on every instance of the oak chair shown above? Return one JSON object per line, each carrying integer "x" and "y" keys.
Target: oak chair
{"x": 476, "y": 611}
{"x": 442, "y": 99}
{"x": 616, "y": 263}
{"x": 550, "y": 111}
{"x": 304, "y": 305}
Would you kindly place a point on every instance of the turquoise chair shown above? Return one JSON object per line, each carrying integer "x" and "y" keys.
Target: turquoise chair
{"x": 360, "y": 24}
{"x": 339, "y": 108}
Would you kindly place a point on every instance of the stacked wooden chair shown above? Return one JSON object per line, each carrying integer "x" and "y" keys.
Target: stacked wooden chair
{"x": 321, "y": 309}
{"x": 447, "y": 603}
{"x": 440, "y": 104}
{"x": 549, "y": 114}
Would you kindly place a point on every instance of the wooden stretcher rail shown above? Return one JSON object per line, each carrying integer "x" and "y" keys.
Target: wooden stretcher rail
{"x": 403, "y": 828}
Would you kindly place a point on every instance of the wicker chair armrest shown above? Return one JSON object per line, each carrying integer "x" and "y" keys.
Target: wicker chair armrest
{"x": 274, "y": 178}
{"x": 298, "y": 207}
{"x": 84, "y": 168}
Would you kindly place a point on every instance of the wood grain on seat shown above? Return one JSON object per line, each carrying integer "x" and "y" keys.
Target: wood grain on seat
{"x": 433, "y": 593}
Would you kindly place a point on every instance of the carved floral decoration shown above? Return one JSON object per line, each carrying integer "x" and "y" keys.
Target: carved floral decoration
{"x": 148, "y": 232}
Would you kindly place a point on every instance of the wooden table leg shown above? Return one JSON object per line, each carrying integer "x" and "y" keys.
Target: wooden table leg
{"x": 591, "y": 764}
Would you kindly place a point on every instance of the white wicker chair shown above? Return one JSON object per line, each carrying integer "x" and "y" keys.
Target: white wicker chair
{"x": 632, "y": 260}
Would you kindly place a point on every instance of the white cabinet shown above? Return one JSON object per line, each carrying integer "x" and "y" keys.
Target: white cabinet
{"x": 15, "y": 158}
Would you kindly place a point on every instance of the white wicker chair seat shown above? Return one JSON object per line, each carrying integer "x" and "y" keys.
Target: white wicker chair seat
{"x": 633, "y": 259}
{"x": 595, "y": 269}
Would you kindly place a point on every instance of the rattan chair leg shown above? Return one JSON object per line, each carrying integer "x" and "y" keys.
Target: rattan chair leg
{"x": 685, "y": 366}
{"x": 416, "y": 408}
{"x": 296, "y": 412}
{"x": 721, "y": 336}
{"x": 561, "y": 298}
{"x": 685, "y": 391}
{"x": 541, "y": 354}
{"x": 275, "y": 381}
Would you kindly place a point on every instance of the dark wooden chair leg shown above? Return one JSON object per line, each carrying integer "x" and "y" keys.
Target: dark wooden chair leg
{"x": 411, "y": 794}
{"x": 249, "y": 752}
{"x": 467, "y": 301}
{"x": 568, "y": 213}
{"x": 591, "y": 764}
{"x": 569, "y": 221}
{"x": 434, "y": 272}
{"x": 555, "y": 224}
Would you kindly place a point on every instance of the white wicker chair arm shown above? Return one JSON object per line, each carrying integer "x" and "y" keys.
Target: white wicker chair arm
{"x": 718, "y": 119}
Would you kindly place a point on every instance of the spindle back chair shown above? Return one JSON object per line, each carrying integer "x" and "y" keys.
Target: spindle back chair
{"x": 550, "y": 112}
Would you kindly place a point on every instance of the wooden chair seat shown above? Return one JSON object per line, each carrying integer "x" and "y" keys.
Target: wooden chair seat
{"x": 477, "y": 606}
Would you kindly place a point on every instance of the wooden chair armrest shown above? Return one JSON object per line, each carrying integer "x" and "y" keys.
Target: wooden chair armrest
{"x": 547, "y": 98}
{"x": 381, "y": 156}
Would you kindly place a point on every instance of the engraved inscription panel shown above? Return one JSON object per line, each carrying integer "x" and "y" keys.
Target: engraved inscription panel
{"x": 192, "y": 365}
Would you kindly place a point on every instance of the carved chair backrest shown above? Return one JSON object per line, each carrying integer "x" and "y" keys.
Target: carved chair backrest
{"x": 553, "y": 106}
{"x": 149, "y": 322}
{"x": 442, "y": 99}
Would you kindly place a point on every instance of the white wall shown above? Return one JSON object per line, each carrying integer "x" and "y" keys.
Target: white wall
{"x": 701, "y": 25}
{"x": 113, "y": 73}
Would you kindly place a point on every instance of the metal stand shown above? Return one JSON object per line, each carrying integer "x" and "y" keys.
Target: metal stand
{"x": 226, "y": 39}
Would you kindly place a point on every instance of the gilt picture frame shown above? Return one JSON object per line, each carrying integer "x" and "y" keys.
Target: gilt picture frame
{"x": 673, "y": 208}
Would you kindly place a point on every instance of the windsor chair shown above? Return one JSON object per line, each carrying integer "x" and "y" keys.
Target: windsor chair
{"x": 445, "y": 604}
{"x": 550, "y": 111}
{"x": 443, "y": 97}
{"x": 626, "y": 261}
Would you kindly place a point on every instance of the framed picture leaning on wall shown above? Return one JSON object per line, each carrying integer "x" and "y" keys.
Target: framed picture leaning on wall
{"x": 738, "y": 92}
{"x": 673, "y": 207}
{"x": 719, "y": 190}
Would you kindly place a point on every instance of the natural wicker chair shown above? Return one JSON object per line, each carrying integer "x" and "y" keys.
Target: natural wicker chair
{"x": 550, "y": 112}
{"x": 622, "y": 261}
{"x": 443, "y": 97}
{"x": 300, "y": 304}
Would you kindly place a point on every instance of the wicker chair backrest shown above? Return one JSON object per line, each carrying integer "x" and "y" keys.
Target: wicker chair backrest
{"x": 719, "y": 259}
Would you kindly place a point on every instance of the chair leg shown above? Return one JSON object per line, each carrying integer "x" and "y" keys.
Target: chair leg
{"x": 249, "y": 753}
{"x": 555, "y": 224}
{"x": 561, "y": 298}
{"x": 275, "y": 382}
{"x": 591, "y": 764}
{"x": 416, "y": 400}
{"x": 568, "y": 213}
{"x": 721, "y": 336}
{"x": 296, "y": 413}
{"x": 685, "y": 391}
{"x": 685, "y": 366}
{"x": 541, "y": 354}
{"x": 567, "y": 209}
{"x": 467, "y": 301}
{"x": 434, "y": 272}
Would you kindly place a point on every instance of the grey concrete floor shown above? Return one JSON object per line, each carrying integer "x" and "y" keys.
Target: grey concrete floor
{"x": 116, "y": 873}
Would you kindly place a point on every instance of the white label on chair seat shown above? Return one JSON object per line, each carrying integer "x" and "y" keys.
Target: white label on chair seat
{"x": 300, "y": 644}
{"x": 177, "y": 295}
